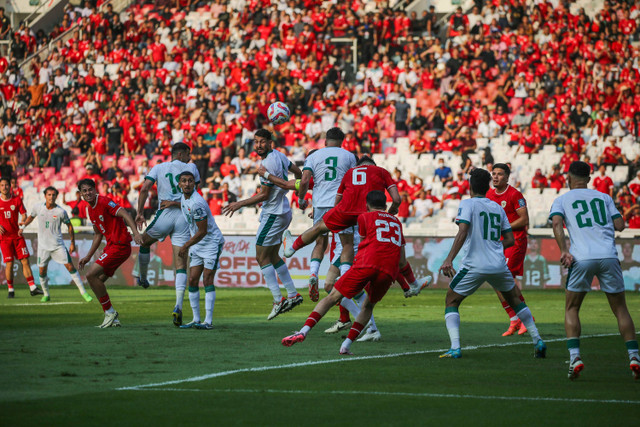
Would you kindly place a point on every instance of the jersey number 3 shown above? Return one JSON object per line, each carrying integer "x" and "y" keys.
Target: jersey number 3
{"x": 392, "y": 231}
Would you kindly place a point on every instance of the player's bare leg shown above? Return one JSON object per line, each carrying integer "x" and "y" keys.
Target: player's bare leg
{"x": 366, "y": 312}
{"x": 316, "y": 259}
{"x": 318, "y": 312}
{"x": 28, "y": 274}
{"x": 180, "y": 263}
{"x": 97, "y": 279}
{"x": 618, "y": 305}
{"x": 306, "y": 238}
{"x": 8, "y": 273}
{"x": 573, "y": 329}
{"x": 144, "y": 257}
{"x": 75, "y": 276}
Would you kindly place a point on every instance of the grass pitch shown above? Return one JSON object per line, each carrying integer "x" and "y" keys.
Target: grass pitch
{"x": 58, "y": 368}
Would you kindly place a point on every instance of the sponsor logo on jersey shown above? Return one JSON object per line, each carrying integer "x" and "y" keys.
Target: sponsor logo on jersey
{"x": 522, "y": 203}
{"x": 112, "y": 204}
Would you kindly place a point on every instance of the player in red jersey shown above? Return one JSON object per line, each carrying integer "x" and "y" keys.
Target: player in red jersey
{"x": 108, "y": 220}
{"x": 380, "y": 254}
{"x": 515, "y": 206}
{"x": 12, "y": 243}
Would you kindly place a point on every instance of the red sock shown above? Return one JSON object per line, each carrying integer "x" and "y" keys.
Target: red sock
{"x": 10, "y": 285}
{"x": 510, "y": 311}
{"x": 106, "y": 302}
{"x": 355, "y": 331}
{"x": 521, "y": 298}
{"x": 30, "y": 281}
{"x": 344, "y": 315}
{"x": 403, "y": 283}
{"x": 407, "y": 272}
{"x": 313, "y": 318}
{"x": 298, "y": 244}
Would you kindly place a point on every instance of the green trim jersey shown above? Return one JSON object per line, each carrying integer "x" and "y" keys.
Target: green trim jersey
{"x": 50, "y": 225}
{"x": 196, "y": 209}
{"x": 588, "y": 215}
{"x": 483, "y": 250}
{"x": 277, "y": 164}
{"x": 536, "y": 271}
{"x": 166, "y": 176}
{"x": 328, "y": 165}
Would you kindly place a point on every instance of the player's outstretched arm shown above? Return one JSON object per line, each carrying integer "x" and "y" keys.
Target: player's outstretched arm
{"x": 295, "y": 170}
{"x": 131, "y": 224}
{"x": 282, "y": 183}
{"x": 447, "y": 265}
{"x": 260, "y": 197}
{"x": 557, "y": 223}
{"x": 142, "y": 199}
{"x": 199, "y": 235}
{"x": 28, "y": 221}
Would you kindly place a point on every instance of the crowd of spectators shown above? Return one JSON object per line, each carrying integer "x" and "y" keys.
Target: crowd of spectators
{"x": 130, "y": 84}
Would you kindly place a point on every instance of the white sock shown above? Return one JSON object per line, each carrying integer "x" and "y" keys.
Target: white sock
{"x": 32, "y": 287}
{"x": 209, "y": 301}
{"x": 143, "y": 261}
{"x": 344, "y": 268}
{"x": 346, "y": 344}
{"x": 181, "y": 285}
{"x": 452, "y": 320}
{"x": 514, "y": 318}
{"x": 75, "y": 276}
{"x": 285, "y": 278}
{"x": 360, "y": 301}
{"x": 44, "y": 283}
{"x": 111, "y": 310}
{"x": 526, "y": 317}
{"x": 573, "y": 353}
{"x": 315, "y": 266}
{"x": 350, "y": 305}
{"x": 305, "y": 330}
{"x": 269, "y": 274}
{"x": 194, "y": 300}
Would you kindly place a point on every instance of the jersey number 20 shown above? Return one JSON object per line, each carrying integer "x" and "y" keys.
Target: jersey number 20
{"x": 390, "y": 229}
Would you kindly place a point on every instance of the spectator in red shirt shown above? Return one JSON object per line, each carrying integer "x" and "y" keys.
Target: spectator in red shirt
{"x": 556, "y": 178}
{"x": 539, "y": 180}
{"x": 227, "y": 167}
{"x": 632, "y": 216}
{"x": 567, "y": 158}
{"x": 603, "y": 183}
{"x": 612, "y": 155}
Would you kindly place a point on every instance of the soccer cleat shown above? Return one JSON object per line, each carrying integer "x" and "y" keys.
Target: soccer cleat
{"x": 337, "y": 327}
{"x": 142, "y": 282}
{"x": 116, "y": 324}
{"x": 634, "y": 365}
{"x": 575, "y": 367}
{"x": 110, "y": 319}
{"x": 421, "y": 283}
{"x": 370, "y": 336}
{"x": 292, "y": 339}
{"x": 453, "y": 353}
{"x": 345, "y": 352}
{"x": 177, "y": 316}
{"x": 514, "y": 326}
{"x": 523, "y": 329}
{"x": 277, "y": 308}
{"x": 11, "y": 294}
{"x": 205, "y": 326}
{"x": 45, "y": 298}
{"x": 87, "y": 297}
{"x": 314, "y": 295}
{"x": 36, "y": 291}
{"x": 540, "y": 350}
{"x": 287, "y": 243}
{"x": 192, "y": 324}
{"x": 292, "y": 302}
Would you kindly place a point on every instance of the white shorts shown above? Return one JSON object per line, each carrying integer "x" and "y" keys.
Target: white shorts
{"x": 210, "y": 258}
{"x": 169, "y": 222}
{"x": 467, "y": 282}
{"x": 608, "y": 272}
{"x": 338, "y": 249}
{"x": 271, "y": 228}
{"x": 59, "y": 255}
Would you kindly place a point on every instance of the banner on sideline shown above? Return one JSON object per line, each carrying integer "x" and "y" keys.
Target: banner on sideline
{"x": 239, "y": 268}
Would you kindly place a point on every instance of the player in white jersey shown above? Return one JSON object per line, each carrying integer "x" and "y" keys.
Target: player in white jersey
{"x": 168, "y": 221}
{"x": 482, "y": 223}
{"x": 274, "y": 220}
{"x": 591, "y": 219}
{"x": 327, "y": 166}
{"x": 50, "y": 242}
{"x": 203, "y": 247}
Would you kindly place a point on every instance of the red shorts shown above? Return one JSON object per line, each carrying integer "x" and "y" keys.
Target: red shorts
{"x": 337, "y": 220}
{"x": 14, "y": 248}
{"x": 375, "y": 282}
{"x": 515, "y": 257}
{"x": 113, "y": 257}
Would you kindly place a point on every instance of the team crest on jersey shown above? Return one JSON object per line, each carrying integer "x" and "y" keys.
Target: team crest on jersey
{"x": 13, "y": 208}
{"x": 503, "y": 203}
{"x": 112, "y": 204}
{"x": 522, "y": 203}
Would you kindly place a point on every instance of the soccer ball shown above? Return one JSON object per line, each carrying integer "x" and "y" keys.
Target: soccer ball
{"x": 278, "y": 113}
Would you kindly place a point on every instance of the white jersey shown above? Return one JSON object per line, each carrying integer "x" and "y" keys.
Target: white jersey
{"x": 195, "y": 209}
{"x": 277, "y": 164}
{"x": 589, "y": 216}
{"x": 166, "y": 176}
{"x": 328, "y": 165}
{"x": 483, "y": 251}
{"x": 50, "y": 225}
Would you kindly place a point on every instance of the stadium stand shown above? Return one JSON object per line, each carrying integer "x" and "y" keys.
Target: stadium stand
{"x": 495, "y": 81}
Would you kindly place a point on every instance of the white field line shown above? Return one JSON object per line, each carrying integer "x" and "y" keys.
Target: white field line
{"x": 340, "y": 360}
{"x": 400, "y": 394}
{"x": 43, "y": 304}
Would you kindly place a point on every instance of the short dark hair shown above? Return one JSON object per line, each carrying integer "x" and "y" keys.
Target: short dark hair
{"x": 5, "y": 178}
{"x": 479, "y": 180}
{"x": 377, "y": 199}
{"x": 87, "y": 181}
{"x": 580, "y": 169}
{"x": 263, "y": 133}
{"x": 335, "y": 134}
{"x": 50, "y": 188}
{"x": 365, "y": 159}
{"x": 504, "y": 167}
{"x": 186, "y": 173}
{"x": 179, "y": 147}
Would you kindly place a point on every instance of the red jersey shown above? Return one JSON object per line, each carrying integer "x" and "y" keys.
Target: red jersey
{"x": 381, "y": 242}
{"x": 358, "y": 182}
{"x": 603, "y": 184}
{"x": 103, "y": 217}
{"x": 9, "y": 212}
{"x": 511, "y": 200}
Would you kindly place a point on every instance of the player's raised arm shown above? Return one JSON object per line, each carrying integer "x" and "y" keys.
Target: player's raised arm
{"x": 282, "y": 183}
{"x": 260, "y": 197}
{"x": 142, "y": 199}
